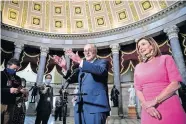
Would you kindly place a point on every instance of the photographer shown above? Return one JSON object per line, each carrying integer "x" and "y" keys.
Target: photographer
{"x": 10, "y": 88}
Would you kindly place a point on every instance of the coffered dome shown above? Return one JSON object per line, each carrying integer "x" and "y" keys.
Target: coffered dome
{"x": 78, "y": 17}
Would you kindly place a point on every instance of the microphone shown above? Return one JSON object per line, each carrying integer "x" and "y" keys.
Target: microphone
{"x": 82, "y": 75}
{"x": 73, "y": 73}
{"x": 76, "y": 71}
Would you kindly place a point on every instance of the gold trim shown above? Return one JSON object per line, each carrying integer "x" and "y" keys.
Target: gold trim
{"x": 8, "y": 52}
{"x": 133, "y": 9}
{"x": 30, "y": 55}
{"x": 166, "y": 42}
{"x": 47, "y": 16}
{"x": 184, "y": 39}
{"x": 68, "y": 17}
{"x": 24, "y": 15}
{"x": 128, "y": 52}
{"x": 88, "y": 17}
{"x": 130, "y": 66}
{"x": 47, "y": 63}
{"x": 109, "y": 13}
{"x": 104, "y": 56}
{"x": 122, "y": 61}
{"x": 163, "y": 4}
{"x": 24, "y": 53}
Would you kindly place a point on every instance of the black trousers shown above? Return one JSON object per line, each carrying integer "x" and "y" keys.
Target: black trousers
{"x": 42, "y": 117}
{"x": 58, "y": 113}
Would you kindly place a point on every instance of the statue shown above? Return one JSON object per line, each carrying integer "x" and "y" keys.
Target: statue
{"x": 74, "y": 99}
{"x": 34, "y": 92}
{"x": 114, "y": 96}
{"x": 132, "y": 95}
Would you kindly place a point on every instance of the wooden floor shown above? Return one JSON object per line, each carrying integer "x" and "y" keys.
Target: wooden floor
{"x": 31, "y": 120}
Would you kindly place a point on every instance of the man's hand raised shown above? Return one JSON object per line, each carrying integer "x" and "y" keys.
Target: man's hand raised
{"x": 60, "y": 61}
{"x": 75, "y": 57}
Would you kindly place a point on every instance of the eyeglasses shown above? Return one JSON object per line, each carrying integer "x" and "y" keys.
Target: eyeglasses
{"x": 88, "y": 51}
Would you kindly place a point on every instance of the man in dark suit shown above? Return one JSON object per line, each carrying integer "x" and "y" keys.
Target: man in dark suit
{"x": 92, "y": 76}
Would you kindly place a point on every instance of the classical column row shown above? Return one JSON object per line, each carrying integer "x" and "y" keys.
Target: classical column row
{"x": 172, "y": 33}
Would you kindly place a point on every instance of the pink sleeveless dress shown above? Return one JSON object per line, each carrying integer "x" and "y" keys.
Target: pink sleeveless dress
{"x": 151, "y": 78}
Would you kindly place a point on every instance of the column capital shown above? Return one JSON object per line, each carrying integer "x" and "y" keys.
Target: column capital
{"x": 115, "y": 48}
{"x": 172, "y": 31}
{"x": 18, "y": 47}
{"x": 44, "y": 51}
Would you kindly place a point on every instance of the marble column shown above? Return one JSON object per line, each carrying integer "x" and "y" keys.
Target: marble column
{"x": 172, "y": 33}
{"x": 115, "y": 53}
{"x": 42, "y": 61}
{"x": 18, "y": 49}
{"x": 67, "y": 60}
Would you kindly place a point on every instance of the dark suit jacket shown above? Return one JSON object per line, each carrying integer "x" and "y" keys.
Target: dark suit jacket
{"x": 45, "y": 103}
{"x": 94, "y": 83}
{"x": 7, "y": 97}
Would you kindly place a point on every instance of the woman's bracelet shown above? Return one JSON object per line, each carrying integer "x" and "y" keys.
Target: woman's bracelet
{"x": 157, "y": 100}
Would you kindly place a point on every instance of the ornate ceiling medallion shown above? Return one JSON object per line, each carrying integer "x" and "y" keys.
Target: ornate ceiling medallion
{"x": 146, "y": 5}
{"x": 100, "y": 21}
{"x": 97, "y": 7}
{"x": 12, "y": 14}
{"x": 122, "y": 15}
{"x": 36, "y": 20}
{"x": 58, "y": 10}
{"x": 79, "y": 24}
{"x": 58, "y": 24}
{"x": 78, "y": 10}
{"x": 37, "y": 6}
{"x": 117, "y": 2}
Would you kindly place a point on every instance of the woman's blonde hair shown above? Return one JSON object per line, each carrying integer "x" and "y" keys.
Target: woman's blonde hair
{"x": 156, "y": 50}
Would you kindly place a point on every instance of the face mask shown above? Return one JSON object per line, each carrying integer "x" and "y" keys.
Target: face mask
{"x": 10, "y": 71}
{"x": 47, "y": 81}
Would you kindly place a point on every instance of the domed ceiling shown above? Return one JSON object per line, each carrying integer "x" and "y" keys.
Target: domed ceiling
{"x": 77, "y": 17}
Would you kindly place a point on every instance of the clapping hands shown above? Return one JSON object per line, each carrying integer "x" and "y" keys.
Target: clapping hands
{"x": 73, "y": 56}
{"x": 60, "y": 61}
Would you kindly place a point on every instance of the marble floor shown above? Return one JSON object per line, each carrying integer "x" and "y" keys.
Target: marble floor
{"x": 31, "y": 120}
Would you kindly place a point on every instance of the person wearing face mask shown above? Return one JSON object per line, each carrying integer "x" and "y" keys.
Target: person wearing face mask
{"x": 20, "y": 107}
{"x": 9, "y": 90}
{"x": 156, "y": 80}
{"x": 45, "y": 104}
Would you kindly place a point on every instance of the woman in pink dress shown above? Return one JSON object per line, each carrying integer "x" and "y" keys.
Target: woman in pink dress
{"x": 156, "y": 79}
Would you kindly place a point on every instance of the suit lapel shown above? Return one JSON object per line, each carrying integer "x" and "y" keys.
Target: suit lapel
{"x": 86, "y": 74}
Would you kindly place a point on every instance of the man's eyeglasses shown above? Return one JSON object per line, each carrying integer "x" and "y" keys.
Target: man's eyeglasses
{"x": 88, "y": 51}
